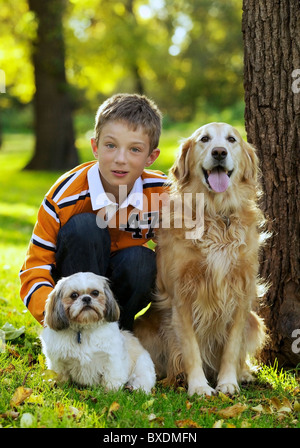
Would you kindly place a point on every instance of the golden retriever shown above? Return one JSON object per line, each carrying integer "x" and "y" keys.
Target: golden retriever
{"x": 202, "y": 322}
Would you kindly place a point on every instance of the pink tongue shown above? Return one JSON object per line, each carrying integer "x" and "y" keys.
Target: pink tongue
{"x": 218, "y": 180}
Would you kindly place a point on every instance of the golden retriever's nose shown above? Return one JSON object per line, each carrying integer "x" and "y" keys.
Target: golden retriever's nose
{"x": 219, "y": 153}
{"x": 86, "y": 299}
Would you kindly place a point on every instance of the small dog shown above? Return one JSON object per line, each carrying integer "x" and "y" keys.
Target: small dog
{"x": 82, "y": 341}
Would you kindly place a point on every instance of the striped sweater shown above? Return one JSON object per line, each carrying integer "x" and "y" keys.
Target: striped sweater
{"x": 80, "y": 191}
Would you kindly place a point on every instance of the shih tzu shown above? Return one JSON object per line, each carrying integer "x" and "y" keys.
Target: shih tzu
{"x": 82, "y": 341}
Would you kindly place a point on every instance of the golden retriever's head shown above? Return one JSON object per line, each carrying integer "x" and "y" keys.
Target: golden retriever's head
{"x": 81, "y": 298}
{"x": 217, "y": 161}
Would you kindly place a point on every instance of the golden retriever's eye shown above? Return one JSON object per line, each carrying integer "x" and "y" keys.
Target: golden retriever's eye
{"x": 95, "y": 293}
{"x": 205, "y": 139}
{"x": 231, "y": 139}
{"x": 74, "y": 295}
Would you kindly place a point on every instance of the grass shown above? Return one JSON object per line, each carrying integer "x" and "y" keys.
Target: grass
{"x": 271, "y": 402}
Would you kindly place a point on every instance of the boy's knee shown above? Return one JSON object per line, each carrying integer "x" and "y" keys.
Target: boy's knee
{"x": 82, "y": 228}
{"x": 137, "y": 264}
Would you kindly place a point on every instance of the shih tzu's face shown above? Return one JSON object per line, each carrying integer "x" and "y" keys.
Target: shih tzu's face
{"x": 81, "y": 298}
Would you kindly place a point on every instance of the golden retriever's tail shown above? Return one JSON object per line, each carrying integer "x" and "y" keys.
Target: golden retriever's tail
{"x": 255, "y": 339}
{"x": 148, "y": 329}
{"x": 256, "y": 335}
{"x": 155, "y": 333}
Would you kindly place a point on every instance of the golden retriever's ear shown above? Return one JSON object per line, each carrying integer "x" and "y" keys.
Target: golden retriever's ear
{"x": 112, "y": 310}
{"x": 251, "y": 162}
{"x": 55, "y": 315}
{"x": 180, "y": 169}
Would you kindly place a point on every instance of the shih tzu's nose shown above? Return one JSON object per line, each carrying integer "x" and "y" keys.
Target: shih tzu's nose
{"x": 86, "y": 299}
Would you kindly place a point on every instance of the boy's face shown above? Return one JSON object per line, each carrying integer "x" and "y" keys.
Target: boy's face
{"x": 122, "y": 154}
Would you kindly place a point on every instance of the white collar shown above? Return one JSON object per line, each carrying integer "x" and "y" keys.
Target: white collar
{"x": 100, "y": 199}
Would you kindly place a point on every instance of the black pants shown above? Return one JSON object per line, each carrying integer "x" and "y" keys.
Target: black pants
{"x": 83, "y": 247}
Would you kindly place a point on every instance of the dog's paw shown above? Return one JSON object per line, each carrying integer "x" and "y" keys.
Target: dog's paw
{"x": 228, "y": 388}
{"x": 246, "y": 377}
{"x": 201, "y": 390}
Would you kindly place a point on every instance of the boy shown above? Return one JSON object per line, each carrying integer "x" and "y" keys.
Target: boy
{"x": 99, "y": 216}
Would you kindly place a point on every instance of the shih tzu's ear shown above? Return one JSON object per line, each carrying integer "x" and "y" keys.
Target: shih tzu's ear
{"x": 112, "y": 310}
{"x": 55, "y": 315}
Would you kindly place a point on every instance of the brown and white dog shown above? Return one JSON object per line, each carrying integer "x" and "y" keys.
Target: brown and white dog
{"x": 82, "y": 341}
{"x": 202, "y": 322}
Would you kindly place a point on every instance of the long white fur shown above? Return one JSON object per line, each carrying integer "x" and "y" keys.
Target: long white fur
{"x": 105, "y": 356}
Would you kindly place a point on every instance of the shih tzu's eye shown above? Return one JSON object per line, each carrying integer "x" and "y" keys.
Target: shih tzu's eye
{"x": 74, "y": 295}
{"x": 95, "y": 293}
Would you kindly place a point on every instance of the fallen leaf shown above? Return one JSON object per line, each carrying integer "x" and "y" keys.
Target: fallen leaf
{"x": 297, "y": 406}
{"x": 286, "y": 403}
{"x": 151, "y": 417}
{"x": 186, "y": 423}
{"x": 284, "y": 407}
{"x": 224, "y": 397}
{"x": 218, "y": 424}
{"x": 76, "y": 413}
{"x": 13, "y": 352}
{"x": 10, "y": 414}
{"x": 188, "y": 404}
{"x": 154, "y": 418}
{"x": 41, "y": 361}
{"x": 232, "y": 411}
{"x": 275, "y": 402}
{"x": 147, "y": 404}
{"x": 27, "y": 420}
{"x": 49, "y": 375}
{"x": 11, "y": 332}
{"x": 114, "y": 407}
{"x": 258, "y": 408}
{"x": 36, "y": 399}
{"x": 262, "y": 409}
{"x": 245, "y": 424}
{"x": 7, "y": 369}
{"x": 21, "y": 393}
{"x": 59, "y": 409}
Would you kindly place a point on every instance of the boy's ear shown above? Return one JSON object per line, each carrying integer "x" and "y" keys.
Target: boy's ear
{"x": 152, "y": 157}
{"x": 94, "y": 147}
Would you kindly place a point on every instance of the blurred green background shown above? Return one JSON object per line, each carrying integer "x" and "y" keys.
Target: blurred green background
{"x": 185, "y": 55}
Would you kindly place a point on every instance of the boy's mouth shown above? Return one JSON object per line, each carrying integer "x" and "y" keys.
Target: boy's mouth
{"x": 119, "y": 173}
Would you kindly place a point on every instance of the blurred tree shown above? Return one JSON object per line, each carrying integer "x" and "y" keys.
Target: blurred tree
{"x": 186, "y": 55}
{"x": 272, "y": 94}
{"x": 54, "y": 147}
{"x": 180, "y": 53}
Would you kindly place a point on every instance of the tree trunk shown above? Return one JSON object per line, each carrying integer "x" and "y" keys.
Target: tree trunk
{"x": 55, "y": 141}
{"x": 271, "y": 30}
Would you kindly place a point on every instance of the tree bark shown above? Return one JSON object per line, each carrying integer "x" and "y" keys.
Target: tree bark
{"x": 55, "y": 140}
{"x": 271, "y": 31}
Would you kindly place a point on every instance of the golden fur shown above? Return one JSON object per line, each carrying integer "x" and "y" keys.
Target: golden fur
{"x": 202, "y": 321}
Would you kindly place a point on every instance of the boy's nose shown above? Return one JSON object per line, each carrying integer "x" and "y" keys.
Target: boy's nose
{"x": 120, "y": 156}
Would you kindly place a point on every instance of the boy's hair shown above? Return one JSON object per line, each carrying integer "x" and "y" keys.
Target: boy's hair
{"x": 136, "y": 110}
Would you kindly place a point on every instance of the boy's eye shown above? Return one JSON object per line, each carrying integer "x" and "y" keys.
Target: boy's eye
{"x": 134, "y": 149}
{"x": 110, "y": 145}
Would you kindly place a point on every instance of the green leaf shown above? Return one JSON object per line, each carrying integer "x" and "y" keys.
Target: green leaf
{"x": 11, "y": 332}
